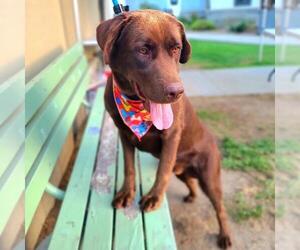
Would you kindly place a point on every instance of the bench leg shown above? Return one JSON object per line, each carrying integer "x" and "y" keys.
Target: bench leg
{"x": 271, "y": 75}
{"x": 294, "y": 76}
{"x": 55, "y": 191}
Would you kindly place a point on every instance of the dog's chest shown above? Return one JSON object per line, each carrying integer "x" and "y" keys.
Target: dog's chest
{"x": 151, "y": 142}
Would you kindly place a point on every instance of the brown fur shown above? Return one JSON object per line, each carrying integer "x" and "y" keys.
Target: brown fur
{"x": 187, "y": 148}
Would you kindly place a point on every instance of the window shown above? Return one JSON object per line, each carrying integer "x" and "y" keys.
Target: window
{"x": 174, "y": 2}
{"x": 268, "y": 3}
{"x": 296, "y": 3}
{"x": 242, "y": 2}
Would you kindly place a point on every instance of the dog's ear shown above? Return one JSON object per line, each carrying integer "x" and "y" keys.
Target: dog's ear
{"x": 108, "y": 32}
{"x": 186, "y": 47}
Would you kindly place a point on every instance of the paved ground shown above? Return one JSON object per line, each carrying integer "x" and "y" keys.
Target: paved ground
{"x": 239, "y": 81}
{"x": 238, "y": 38}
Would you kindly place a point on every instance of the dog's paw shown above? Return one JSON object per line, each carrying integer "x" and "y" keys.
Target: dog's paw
{"x": 189, "y": 198}
{"x": 150, "y": 202}
{"x": 224, "y": 241}
{"x": 123, "y": 198}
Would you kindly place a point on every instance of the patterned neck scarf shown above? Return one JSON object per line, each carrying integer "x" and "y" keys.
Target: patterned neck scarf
{"x": 133, "y": 113}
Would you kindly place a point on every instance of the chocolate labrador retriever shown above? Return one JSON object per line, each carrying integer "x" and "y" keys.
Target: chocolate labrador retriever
{"x": 144, "y": 49}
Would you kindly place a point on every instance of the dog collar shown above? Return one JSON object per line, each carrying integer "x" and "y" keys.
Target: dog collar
{"x": 133, "y": 112}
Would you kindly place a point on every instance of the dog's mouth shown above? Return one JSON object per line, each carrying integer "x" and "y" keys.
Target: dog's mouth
{"x": 139, "y": 92}
{"x": 161, "y": 113}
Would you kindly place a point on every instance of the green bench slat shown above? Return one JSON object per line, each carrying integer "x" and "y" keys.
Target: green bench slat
{"x": 129, "y": 232}
{"x": 12, "y": 188}
{"x": 12, "y": 137}
{"x": 41, "y": 126}
{"x": 67, "y": 231}
{"x": 11, "y": 95}
{"x": 158, "y": 224}
{"x": 99, "y": 224}
{"x": 38, "y": 90}
{"x": 37, "y": 180}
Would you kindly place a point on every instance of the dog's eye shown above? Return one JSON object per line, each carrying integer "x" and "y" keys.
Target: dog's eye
{"x": 175, "y": 49}
{"x": 144, "y": 51}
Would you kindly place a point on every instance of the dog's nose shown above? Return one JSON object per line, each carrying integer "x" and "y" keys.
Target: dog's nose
{"x": 172, "y": 92}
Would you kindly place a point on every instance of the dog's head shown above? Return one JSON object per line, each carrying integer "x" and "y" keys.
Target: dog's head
{"x": 146, "y": 48}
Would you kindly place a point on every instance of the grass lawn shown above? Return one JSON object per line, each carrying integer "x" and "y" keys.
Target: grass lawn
{"x": 292, "y": 55}
{"x": 255, "y": 155}
{"x": 209, "y": 55}
{"x": 248, "y": 148}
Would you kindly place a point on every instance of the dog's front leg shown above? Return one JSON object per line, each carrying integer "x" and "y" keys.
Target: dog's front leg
{"x": 126, "y": 194}
{"x": 153, "y": 199}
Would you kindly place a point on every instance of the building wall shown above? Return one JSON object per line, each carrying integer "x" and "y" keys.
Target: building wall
{"x": 89, "y": 17}
{"x": 193, "y": 7}
{"x": 12, "y": 19}
{"x": 51, "y": 30}
{"x": 223, "y": 18}
{"x": 183, "y": 7}
{"x": 229, "y": 4}
{"x": 133, "y": 5}
{"x": 159, "y": 4}
{"x": 108, "y": 8}
{"x": 294, "y": 20}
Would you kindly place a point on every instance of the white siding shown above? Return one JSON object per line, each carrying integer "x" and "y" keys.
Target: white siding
{"x": 12, "y": 19}
{"x": 229, "y": 4}
{"x": 279, "y": 4}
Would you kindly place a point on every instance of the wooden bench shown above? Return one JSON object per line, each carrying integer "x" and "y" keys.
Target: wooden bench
{"x": 86, "y": 219}
{"x": 90, "y": 222}
{"x": 52, "y": 101}
{"x": 12, "y": 113}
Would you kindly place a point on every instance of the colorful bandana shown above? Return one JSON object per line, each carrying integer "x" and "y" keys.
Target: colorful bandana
{"x": 133, "y": 113}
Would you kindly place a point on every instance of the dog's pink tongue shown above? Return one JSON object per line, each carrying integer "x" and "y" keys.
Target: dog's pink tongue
{"x": 161, "y": 115}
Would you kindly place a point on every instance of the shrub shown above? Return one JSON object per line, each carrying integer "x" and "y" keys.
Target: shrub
{"x": 240, "y": 27}
{"x": 149, "y": 6}
{"x": 201, "y": 24}
{"x": 194, "y": 22}
{"x": 185, "y": 21}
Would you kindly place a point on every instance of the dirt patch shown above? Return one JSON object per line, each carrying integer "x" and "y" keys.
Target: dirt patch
{"x": 196, "y": 226}
{"x": 288, "y": 169}
{"x": 288, "y": 116}
{"x": 243, "y": 118}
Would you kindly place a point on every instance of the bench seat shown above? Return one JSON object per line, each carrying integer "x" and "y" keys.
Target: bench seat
{"x": 53, "y": 99}
{"x": 87, "y": 219}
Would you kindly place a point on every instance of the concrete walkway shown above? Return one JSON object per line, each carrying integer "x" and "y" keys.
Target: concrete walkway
{"x": 238, "y": 38}
{"x": 239, "y": 81}
{"x": 226, "y": 37}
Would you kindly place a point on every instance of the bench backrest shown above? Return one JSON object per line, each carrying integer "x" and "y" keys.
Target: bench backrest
{"x": 12, "y": 113}
{"x": 52, "y": 101}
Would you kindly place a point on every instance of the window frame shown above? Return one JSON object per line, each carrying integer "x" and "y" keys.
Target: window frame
{"x": 239, "y": 3}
